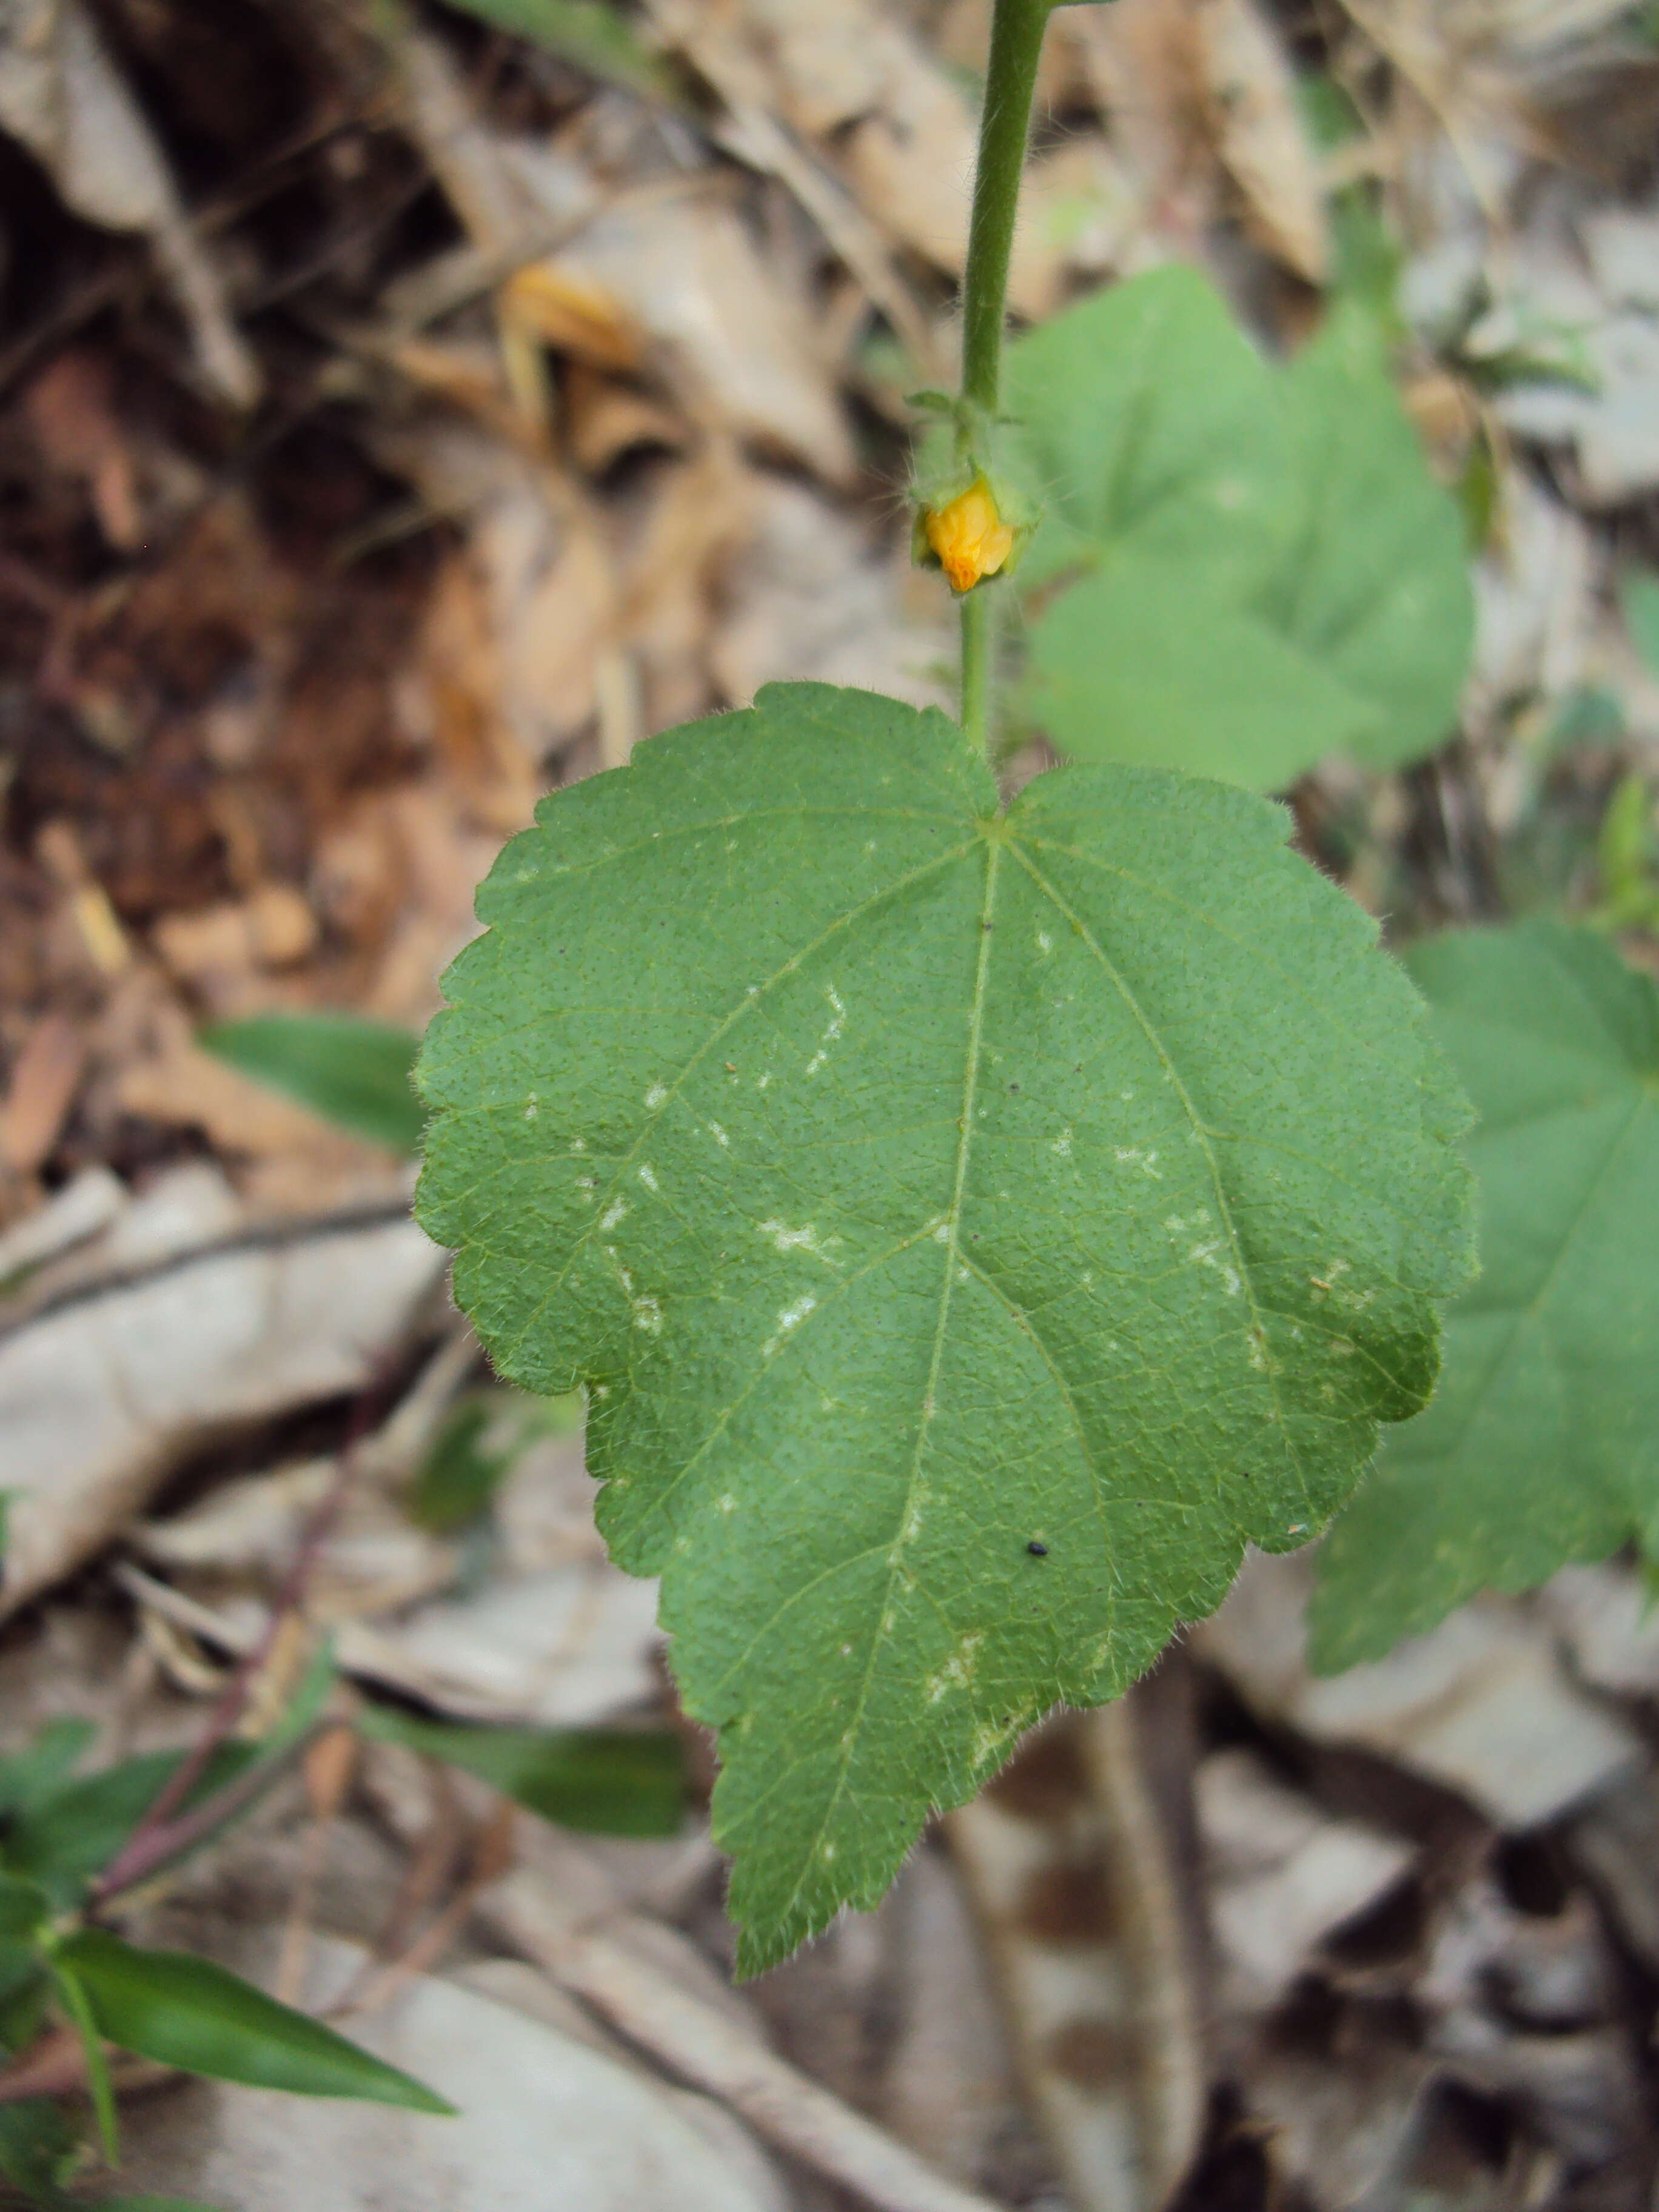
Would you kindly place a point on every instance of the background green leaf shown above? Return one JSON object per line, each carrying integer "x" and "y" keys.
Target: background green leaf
{"x": 910, "y": 1184}
{"x": 458, "y": 1480}
{"x": 191, "y": 2013}
{"x": 38, "y": 2149}
{"x": 1374, "y": 590}
{"x": 587, "y": 34}
{"x": 1153, "y": 434}
{"x": 1639, "y": 600}
{"x": 1542, "y": 1444}
{"x": 1263, "y": 568}
{"x": 609, "y": 1782}
{"x": 350, "y": 1071}
{"x": 72, "y": 1833}
{"x": 29, "y": 1777}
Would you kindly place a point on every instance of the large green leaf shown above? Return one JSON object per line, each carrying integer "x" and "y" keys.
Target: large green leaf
{"x": 611, "y": 1782}
{"x": 1375, "y": 590}
{"x": 933, "y": 1200}
{"x": 1263, "y": 571}
{"x": 1154, "y": 434}
{"x": 188, "y": 2012}
{"x": 1542, "y": 1444}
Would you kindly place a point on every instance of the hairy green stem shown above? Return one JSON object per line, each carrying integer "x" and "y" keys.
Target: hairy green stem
{"x": 978, "y": 666}
{"x": 1016, "y": 32}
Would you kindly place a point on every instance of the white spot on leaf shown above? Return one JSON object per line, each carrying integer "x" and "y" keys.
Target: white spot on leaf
{"x": 788, "y": 1320}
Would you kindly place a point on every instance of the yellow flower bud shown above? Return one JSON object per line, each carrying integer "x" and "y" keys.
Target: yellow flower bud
{"x": 970, "y": 536}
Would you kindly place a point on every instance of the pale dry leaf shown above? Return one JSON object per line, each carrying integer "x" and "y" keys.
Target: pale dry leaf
{"x": 84, "y": 1208}
{"x": 1262, "y": 138}
{"x": 101, "y": 1393}
{"x": 546, "y": 578}
{"x": 1590, "y": 317}
{"x": 1097, "y": 2014}
{"x": 543, "y": 2118}
{"x": 62, "y": 97}
{"x": 1144, "y": 59}
{"x": 948, "y": 2084}
{"x": 1535, "y": 588}
{"x": 1281, "y": 1875}
{"x": 898, "y": 125}
{"x": 734, "y": 337}
{"x": 810, "y": 597}
{"x": 753, "y": 132}
{"x": 1480, "y": 1704}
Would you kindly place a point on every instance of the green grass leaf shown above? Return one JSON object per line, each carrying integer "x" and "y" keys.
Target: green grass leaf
{"x": 24, "y": 1908}
{"x": 587, "y": 34}
{"x": 609, "y": 1782}
{"x": 188, "y": 2012}
{"x": 1265, "y": 571}
{"x": 350, "y": 1072}
{"x": 912, "y": 1185}
{"x": 459, "y": 1478}
{"x": 29, "y": 1777}
{"x": 76, "y": 2001}
{"x": 1542, "y": 1444}
{"x": 38, "y": 2149}
{"x": 72, "y": 1833}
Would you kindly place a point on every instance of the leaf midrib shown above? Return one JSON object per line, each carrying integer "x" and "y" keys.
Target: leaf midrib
{"x": 992, "y": 844}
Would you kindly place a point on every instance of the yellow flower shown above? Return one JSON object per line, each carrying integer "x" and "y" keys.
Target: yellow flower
{"x": 970, "y": 536}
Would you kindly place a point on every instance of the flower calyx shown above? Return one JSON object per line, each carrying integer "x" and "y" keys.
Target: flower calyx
{"x": 972, "y": 521}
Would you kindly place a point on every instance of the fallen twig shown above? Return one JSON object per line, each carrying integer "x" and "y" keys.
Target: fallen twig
{"x": 705, "y": 2049}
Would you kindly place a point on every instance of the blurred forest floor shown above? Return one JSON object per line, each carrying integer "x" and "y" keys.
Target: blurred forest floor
{"x": 400, "y": 416}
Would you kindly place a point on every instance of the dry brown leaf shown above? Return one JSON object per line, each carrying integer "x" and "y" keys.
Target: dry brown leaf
{"x": 1480, "y": 1704}
{"x": 45, "y": 1079}
{"x": 101, "y": 1393}
{"x": 274, "y": 927}
{"x": 1262, "y": 139}
{"x": 1281, "y": 1875}
{"x": 809, "y": 597}
{"x": 184, "y": 1087}
{"x": 545, "y": 2119}
{"x": 1145, "y": 59}
{"x": 62, "y": 95}
{"x": 898, "y": 125}
{"x": 1068, "y": 1857}
{"x": 70, "y": 409}
{"x": 560, "y": 311}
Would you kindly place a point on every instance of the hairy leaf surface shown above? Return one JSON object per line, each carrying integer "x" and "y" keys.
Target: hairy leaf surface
{"x": 933, "y": 1202}
{"x": 1262, "y": 569}
{"x": 1542, "y": 1444}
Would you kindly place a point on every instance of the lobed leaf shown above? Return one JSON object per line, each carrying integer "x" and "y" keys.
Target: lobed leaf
{"x": 1542, "y": 1444}
{"x": 933, "y": 1202}
{"x": 1262, "y": 570}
